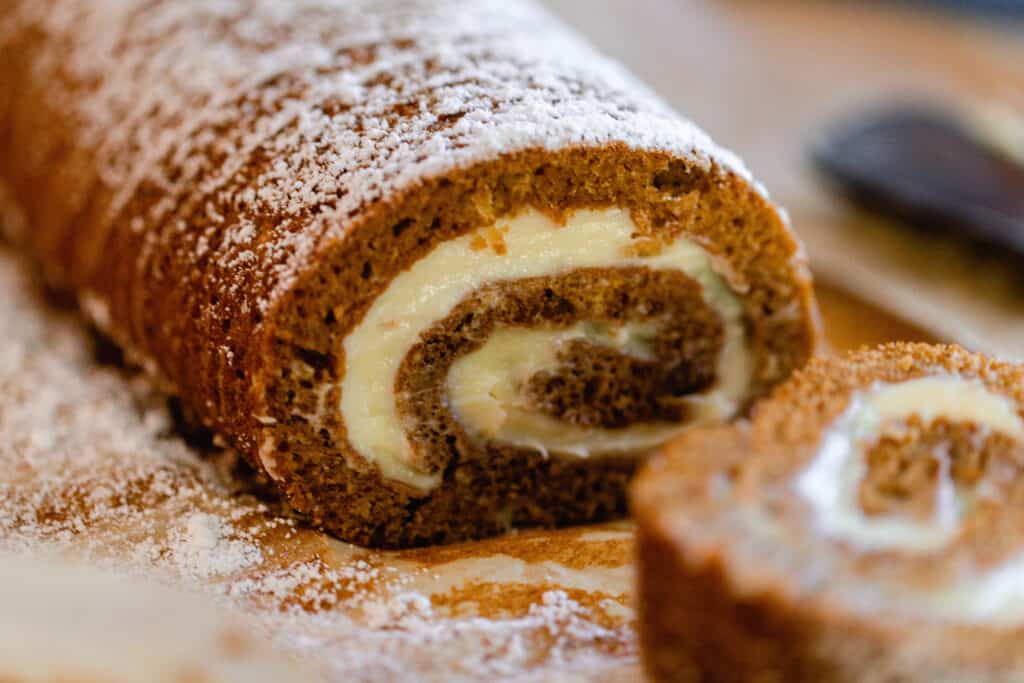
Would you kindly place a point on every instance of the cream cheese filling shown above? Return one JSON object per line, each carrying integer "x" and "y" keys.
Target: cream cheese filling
{"x": 831, "y": 481}
{"x": 527, "y": 245}
{"x": 484, "y": 389}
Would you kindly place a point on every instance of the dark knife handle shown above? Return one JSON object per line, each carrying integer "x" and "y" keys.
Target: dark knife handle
{"x": 927, "y": 168}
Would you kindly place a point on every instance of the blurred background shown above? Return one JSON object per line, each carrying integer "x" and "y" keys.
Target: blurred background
{"x": 892, "y": 132}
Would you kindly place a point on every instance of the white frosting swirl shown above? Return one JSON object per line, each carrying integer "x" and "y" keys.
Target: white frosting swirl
{"x": 527, "y": 245}
{"x": 831, "y": 481}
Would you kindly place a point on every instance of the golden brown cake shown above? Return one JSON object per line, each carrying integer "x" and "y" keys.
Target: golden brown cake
{"x": 865, "y": 525}
{"x": 435, "y": 267}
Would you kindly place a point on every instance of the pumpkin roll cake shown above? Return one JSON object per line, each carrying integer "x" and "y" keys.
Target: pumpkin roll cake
{"x": 866, "y": 525}
{"x": 437, "y": 268}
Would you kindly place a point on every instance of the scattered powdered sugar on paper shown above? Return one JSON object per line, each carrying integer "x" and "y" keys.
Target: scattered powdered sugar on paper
{"x": 92, "y": 465}
{"x": 204, "y": 549}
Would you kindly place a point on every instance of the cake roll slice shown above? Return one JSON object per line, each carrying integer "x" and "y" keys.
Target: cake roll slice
{"x": 865, "y": 525}
{"x": 437, "y": 268}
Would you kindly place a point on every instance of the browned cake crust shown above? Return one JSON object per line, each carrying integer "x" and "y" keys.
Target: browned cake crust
{"x": 232, "y": 230}
{"x": 740, "y": 580}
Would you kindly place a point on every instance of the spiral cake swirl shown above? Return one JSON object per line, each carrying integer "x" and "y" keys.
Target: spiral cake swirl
{"x": 865, "y": 526}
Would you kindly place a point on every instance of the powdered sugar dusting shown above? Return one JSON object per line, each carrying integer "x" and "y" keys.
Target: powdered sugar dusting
{"x": 92, "y": 465}
{"x": 328, "y": 105}
{"x": 204, "y": 548}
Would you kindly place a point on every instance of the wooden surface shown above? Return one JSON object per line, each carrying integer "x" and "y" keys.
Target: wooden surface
{"x": 850, "y": 323}
{"x": 766, "y": 77}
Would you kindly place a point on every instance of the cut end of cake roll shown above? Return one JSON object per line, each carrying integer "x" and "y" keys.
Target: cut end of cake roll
{"x": 504, "y": 344}
{"x": 864, "y": 525}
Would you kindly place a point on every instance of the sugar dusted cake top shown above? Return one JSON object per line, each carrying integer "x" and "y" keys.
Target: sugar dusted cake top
{"x": 316, "y": 108}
